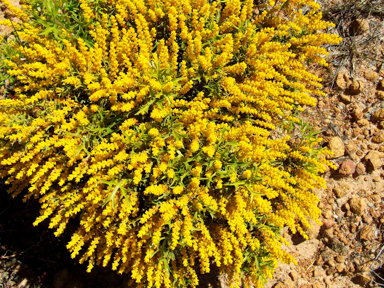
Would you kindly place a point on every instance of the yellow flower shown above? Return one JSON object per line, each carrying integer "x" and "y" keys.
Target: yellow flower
{"x": 218, "y": 164}
{"x": 247, "y": 174}
{"x": 153, "y": 132}
{"x": 178, "y": 190}
{"x": 195, "y": 182}
{"x": 171, "y": 173}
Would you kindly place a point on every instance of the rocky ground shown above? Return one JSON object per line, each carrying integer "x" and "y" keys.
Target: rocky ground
{"x": 346, "y": 251}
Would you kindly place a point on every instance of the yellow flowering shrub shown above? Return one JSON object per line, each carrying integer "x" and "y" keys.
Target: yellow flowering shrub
{"x": 163, "y": 126}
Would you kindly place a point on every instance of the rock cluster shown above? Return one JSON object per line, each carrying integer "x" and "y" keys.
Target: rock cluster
{"x": 351, "y": 236}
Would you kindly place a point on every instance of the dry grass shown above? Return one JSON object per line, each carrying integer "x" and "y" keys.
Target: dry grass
{"x": 355, "y": 48}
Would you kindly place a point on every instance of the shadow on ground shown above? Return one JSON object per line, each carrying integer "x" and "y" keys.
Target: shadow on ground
{"x": 32, "y": 257}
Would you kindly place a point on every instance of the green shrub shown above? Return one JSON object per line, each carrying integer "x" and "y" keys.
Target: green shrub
{"x": 164, "y": 127}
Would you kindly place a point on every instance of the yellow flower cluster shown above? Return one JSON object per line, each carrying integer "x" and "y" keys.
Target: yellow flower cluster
{"x": 156, "y": 130}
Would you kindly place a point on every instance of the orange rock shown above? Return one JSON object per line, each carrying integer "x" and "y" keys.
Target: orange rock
{"x": 380, "y": 95}
{"x": 360, "y": 169}
{"x": 358, "y": 205}
{"x": 357, "y": 113}
{"x": 378, "y": 115}
{"x": 378, "y": 137}
{"x": 356, "y": 87}
{"x": 336, "y": 145}
{"x": 342, "y": 81}
{"x": 367, "y": 233}
{"x": 348, "y": 167}
{"x": 373, "y": 159}
{"x": 371, "y": 75}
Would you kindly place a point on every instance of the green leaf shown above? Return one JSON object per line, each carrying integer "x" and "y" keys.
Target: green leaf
{"x": 257, "y": 263}
{"x": 153, "y": 254}
{"x": 49, "y": 5}
{"x": 172, "y": 256}
{"x": 236, "y": 184}
{"x": 146, "y": 107}
{"x": 114, "y": 192}
{"x": 166, "y": 265}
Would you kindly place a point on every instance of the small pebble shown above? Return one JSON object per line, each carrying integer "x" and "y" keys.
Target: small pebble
{"x": 294, "y": 276}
